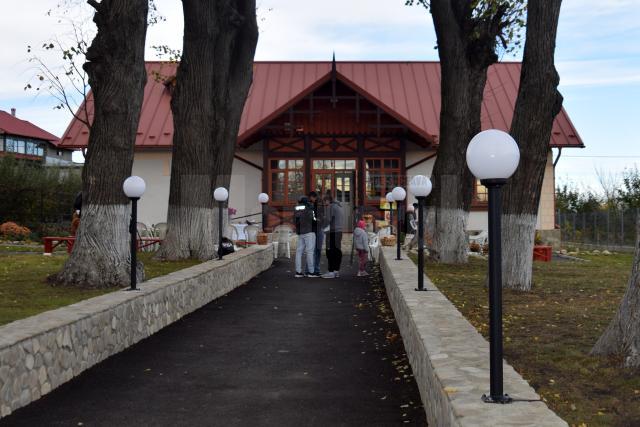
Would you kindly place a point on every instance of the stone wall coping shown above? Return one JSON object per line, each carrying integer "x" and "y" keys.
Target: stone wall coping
{"x": 450, "y": 359}
{"x": 23, "y": 329}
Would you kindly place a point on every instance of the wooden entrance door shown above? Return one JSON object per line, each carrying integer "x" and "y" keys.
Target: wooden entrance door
{"x": 338, "y": 177}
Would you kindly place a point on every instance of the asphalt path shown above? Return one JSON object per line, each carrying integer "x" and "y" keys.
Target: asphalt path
{"x": 278, "y": 351}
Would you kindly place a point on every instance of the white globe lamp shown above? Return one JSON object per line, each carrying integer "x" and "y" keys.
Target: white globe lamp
{"x": 263, "y": 198}
{"x": 221, "y": 194}
{"x": 493, "y": 154}
{"x": 134, "y": 187}
{"x": 399, "y": 194}
{"x": 420, "y": 186}
{"x": 389, "y": 197}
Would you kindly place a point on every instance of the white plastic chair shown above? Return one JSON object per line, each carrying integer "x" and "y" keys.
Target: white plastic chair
{"x": 282, "y": 234}
{"x": 160, "y": 230}
{"x": 145, "y": 231}
{"x": 374, "y": 246}
{"x": 251, "y": 233}
{"x": 481, "y": 238}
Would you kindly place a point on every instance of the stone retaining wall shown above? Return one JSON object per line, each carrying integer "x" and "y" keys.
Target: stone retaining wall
{"x": 40, "y": 353}
{"x": 450, "y": 359}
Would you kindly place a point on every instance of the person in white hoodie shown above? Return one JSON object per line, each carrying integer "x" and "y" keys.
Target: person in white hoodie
{"x": 361, "y": 240}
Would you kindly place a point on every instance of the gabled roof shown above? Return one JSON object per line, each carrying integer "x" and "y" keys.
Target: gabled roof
{"x": 408, "y": 91}
{"x": 14, "y": 126}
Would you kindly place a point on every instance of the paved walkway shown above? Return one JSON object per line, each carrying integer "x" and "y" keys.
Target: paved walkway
{"x": 277, "y": 352}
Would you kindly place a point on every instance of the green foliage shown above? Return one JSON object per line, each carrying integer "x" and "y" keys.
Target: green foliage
{"x": 35, "y": 195}
{"x": 629, "y": 194}
{"x": 494, "y": 24}
{"x": 570, "y": 199}
{"x": 619, "y": 194}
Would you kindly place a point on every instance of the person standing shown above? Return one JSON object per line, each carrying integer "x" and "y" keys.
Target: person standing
{"x": 361, "y": 241}
{"x": 334, "y": 241}
{"x": 318, "y": 229}
{"x": 304, "y": 219}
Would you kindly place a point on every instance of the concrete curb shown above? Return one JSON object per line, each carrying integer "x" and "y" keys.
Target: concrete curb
{"x": 450, "y": 359}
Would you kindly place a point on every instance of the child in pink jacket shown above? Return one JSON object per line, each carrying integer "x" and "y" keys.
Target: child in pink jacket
{"x": 361, "y": 240}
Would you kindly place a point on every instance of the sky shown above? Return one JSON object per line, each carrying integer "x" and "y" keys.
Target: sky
{"x": 597, "y": 56}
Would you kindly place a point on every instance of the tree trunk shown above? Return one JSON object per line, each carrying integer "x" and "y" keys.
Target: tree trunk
{"x": 463, "y": 77}
{"x": 622, "y": 336}
{"x": 537, "y": 105}
{"x": 117, "y": 76}
{"x": 212, "y": 84}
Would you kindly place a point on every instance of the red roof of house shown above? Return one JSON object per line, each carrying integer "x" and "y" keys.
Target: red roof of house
{"x": 14, "y": 126}
{"x": 408, "y": 91}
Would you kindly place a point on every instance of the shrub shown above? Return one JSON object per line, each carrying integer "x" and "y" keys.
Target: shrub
{"x": 12, "y": 231}
{"x": 474, "y": 247}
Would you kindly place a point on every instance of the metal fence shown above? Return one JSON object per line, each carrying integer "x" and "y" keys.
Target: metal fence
{"x": 607, "y": 229}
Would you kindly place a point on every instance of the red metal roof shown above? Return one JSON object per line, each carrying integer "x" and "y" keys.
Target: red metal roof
{"x": 14, "y": 126}
{"x": 408, "y": 91}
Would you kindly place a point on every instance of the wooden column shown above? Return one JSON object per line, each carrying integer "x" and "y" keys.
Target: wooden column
{"x": 307, "y": 164}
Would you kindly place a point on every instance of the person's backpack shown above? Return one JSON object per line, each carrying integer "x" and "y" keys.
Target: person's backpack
{"x": 226, "y": 247}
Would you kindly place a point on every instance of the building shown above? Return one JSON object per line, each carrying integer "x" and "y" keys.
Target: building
{"x": 24, "y": 140}
{"x": 356, "y": 129}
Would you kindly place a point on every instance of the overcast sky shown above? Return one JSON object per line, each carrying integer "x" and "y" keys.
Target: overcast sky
{"x": 598, "y": 57}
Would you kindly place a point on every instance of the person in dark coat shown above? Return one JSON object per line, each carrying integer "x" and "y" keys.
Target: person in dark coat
{"x": 304, "y": 219}
{"x": 335, "y": 218}
{"x": 318, "y": 229}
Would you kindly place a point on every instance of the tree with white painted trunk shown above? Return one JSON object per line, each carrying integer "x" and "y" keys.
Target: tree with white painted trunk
{"x": 212, "y": 84}
{"x": 117, "y": 76}
{"x": 536, "y": 107}
{"x": 469, "y": 33}
{"x": 622, "y": 336}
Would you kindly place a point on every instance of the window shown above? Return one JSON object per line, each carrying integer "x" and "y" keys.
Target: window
{"x": 24, "y": 146}
{"x": 382, "y": 175}
{"x": 12, "y": 145}
{"x": 480, "y": 193}
{"x": 287, "y": 181}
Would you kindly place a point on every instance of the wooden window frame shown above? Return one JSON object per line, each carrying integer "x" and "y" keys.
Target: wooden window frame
{"x": 286, "y": 170}
{"x": 382, "y": 171}
{"x": 478, "y": 204}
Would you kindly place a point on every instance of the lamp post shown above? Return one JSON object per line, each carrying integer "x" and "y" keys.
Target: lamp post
{"x": 221, "y": 195}
{"x": 493, "y": 156}
{"x": 399, "y": 194}
{"x": 390, "y": 200}
{"x": 133, "y": 188}
{"x": 263, "y": 198}
{"x": 420, "y": 187}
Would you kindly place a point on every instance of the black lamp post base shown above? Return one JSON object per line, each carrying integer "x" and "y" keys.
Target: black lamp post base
{"x": 502, "y": 399}
{"x": 130, "y": 289}
{"x": 421, "y": 290}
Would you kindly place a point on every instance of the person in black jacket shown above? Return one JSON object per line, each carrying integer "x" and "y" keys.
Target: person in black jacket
{"x": 318, "y": 229}
{"x": 304, "y": 219}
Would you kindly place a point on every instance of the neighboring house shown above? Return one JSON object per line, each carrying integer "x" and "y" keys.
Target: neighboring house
{"x": 24, "y": 140}
{"x": 356, "y": 129}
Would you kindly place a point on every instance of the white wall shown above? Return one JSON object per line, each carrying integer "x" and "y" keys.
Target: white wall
{"x": 478, "y": 219}
{"x": 547, "y": 207}
{"x": 246, "y": 184}
{"x": 414, "y": 154}
{"x": 155, "y": 169}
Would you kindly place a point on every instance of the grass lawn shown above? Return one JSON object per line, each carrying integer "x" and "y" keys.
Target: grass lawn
{"x": 548, "y": 333}
{"x": 25, "y": 292}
